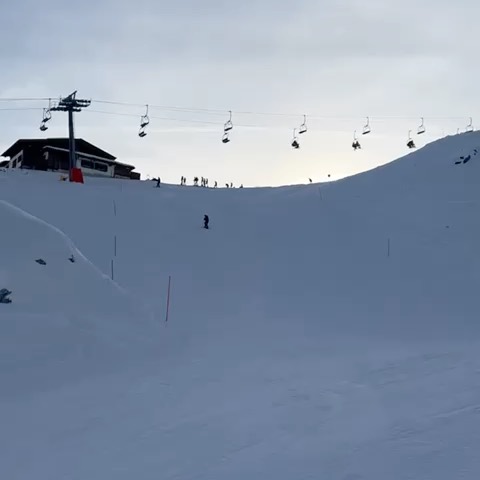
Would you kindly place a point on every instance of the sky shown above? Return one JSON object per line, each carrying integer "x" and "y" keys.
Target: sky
{"x": 337, "y": 62}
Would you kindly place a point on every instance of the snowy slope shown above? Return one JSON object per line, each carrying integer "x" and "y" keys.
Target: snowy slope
{"x": 67, "y": 275}
{"x": 316, "y": 331}
{"x": 64, "y": 313}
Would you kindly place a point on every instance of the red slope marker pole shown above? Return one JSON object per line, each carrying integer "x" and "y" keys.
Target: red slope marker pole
{"x": 168, "y": 298}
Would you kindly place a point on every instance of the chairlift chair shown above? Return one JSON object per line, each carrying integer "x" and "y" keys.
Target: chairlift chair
{"x": 410, "y": 142}
{"x": 470, "y": 126}
{"x": 295, "y": 143}
{"x": 43, "y": 127}
{"x": 355, "y": 144}
{"x": 228, "y": 124}
{"x": 366, "y": 128}
{"x": 303, "y": 126}
{"x": 225, "y": 138}
{"x": 144, "y": 120}
{"x": 421, "y": 128}
{"x": 47, "y": 115}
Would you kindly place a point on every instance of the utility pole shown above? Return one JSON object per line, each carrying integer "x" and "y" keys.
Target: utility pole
{"x": 71, "y": 104}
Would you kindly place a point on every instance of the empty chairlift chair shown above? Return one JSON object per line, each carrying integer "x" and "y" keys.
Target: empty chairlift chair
{"x": 303, "y": 126}
{"x": 366, "y": 128}
{"x": 421, "y": 128}
{"x": 470, "y": 126}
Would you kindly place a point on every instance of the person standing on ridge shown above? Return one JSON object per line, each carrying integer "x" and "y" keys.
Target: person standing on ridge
{"x": 205, "y": 221}
{"x": 158, "y": 182}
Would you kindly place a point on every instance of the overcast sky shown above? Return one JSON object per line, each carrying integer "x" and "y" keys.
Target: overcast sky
{"x": 336, "y": 61}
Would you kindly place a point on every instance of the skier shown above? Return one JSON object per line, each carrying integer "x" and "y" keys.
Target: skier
{"x": 205, "y": 221}
{"x": 216, "y": 184}
{"x": 158, "y": 182}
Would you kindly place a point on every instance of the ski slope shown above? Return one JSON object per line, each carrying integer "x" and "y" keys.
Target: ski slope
{"x": 315, "y": 331}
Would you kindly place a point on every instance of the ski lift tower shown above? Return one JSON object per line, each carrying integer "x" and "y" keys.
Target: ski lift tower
{"x": 71, "y": 104}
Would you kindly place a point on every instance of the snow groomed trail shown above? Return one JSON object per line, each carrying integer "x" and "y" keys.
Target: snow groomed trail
{"x": 315, "y": 331}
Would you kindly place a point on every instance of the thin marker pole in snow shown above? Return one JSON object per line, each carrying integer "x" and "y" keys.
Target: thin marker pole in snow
{"x": 112, "y": 268}
{"x": 114, "y": 208}
{"x": 168, "y": 298}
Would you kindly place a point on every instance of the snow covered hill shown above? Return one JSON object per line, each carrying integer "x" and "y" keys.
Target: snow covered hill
{"x": 41, "y": 265}
{"x": 316, "y": 331}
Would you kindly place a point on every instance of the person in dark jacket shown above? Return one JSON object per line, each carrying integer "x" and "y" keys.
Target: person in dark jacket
{"x": 205, "y": 221}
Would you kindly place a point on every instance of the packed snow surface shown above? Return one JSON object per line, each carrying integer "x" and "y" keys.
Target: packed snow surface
{"x": 322, "y": 331}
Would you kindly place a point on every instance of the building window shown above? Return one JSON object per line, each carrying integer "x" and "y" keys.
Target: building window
{"x": 101, "y": 167}
{"x": 87, "y": 163}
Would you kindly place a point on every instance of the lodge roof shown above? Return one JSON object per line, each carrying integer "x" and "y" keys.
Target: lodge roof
{"x": 81, "y": 146}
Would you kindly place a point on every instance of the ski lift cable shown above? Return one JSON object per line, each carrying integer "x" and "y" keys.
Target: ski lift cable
{"x": 26, "y": 99}
{"x": 13, "y": 109}
{"x": 274, "y": 114}
{"x": 185, "y": 120}
{"x": 249, "y": 112}
{"x": 219, "y": 112}
{"x": 164, "y": 107}
{"x": 122, "y": 114}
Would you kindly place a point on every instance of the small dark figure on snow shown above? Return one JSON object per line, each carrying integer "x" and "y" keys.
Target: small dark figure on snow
{"x": 195, "y": 181}
{"x": 215, "y": 185}
{"x": 4, "y": 294}
{"x": 205, "y": 221}
{"x": 158, "y": 182}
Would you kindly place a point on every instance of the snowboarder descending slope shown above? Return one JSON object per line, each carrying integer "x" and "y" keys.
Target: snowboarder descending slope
{"x": 205, "y": 221}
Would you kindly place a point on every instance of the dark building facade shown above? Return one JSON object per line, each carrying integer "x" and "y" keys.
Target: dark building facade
{"x": 52, "y": 154}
